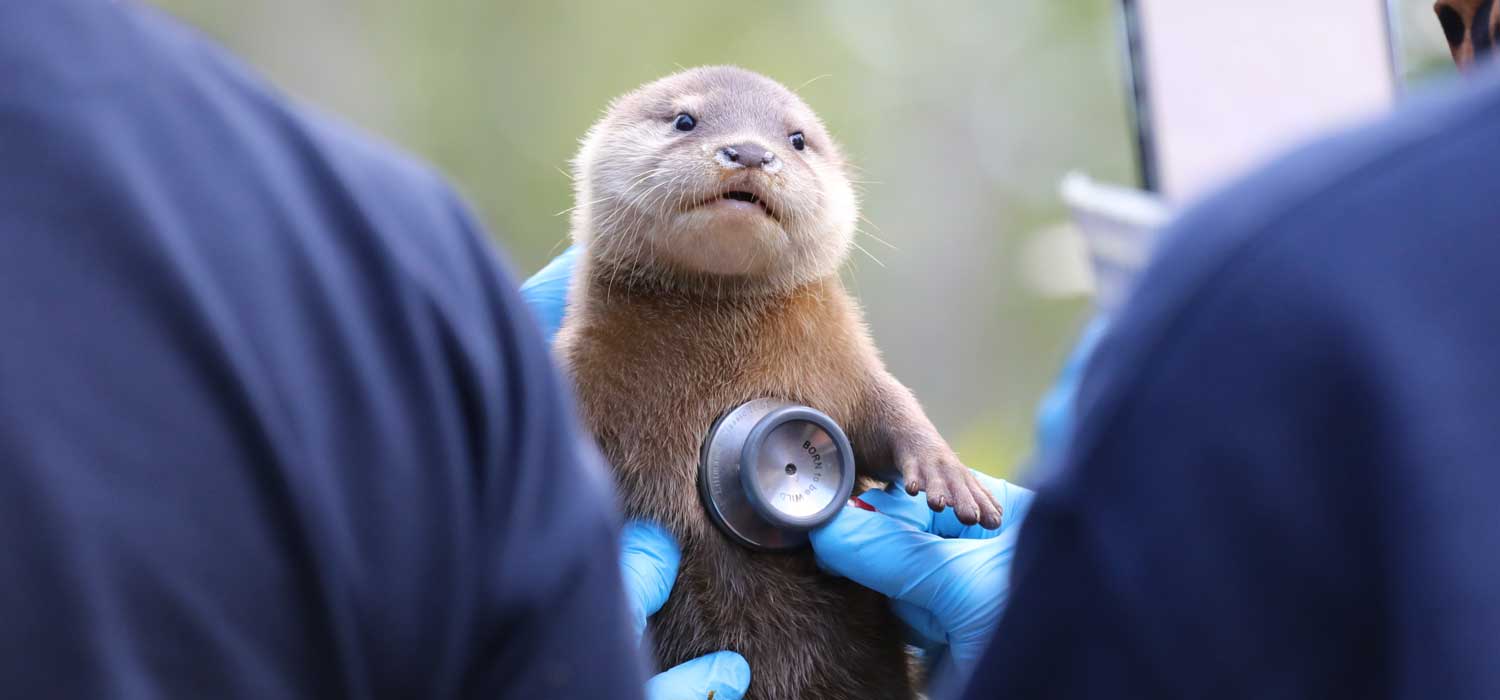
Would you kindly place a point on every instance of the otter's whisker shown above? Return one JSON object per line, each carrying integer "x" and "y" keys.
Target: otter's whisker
{"x": 622, "y": 210}
{"x": 639, "y": 181}
{"x": 553, "y": 251}
{"x": 867, "y": 253}
{"x": 877, "y": 239}
{"x": 584, "y": 204}
{"x": 642, "y": 196}
{"x": 813, "y": 80}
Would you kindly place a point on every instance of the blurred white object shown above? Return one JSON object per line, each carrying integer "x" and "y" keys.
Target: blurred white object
{"x": 1054, "y": 263}
{"x": 1119, "y": 227}
{"x": 1227, "y": 84}
{"x": 1219, "y": 88}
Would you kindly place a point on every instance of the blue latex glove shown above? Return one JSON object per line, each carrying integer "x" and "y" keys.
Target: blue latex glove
{"x": 648, "y": 562}
{"x": 1055, "y": 415}
{"x": 547, "y": 292}
{"x": 948, "y": 582}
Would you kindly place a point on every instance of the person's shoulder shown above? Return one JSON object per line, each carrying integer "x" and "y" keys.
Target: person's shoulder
{"x": 1297, "y": 286}
{"x": 136, "y": 89}
{"x": 123, "y": 73}
{"x": 1322, "y": 233}
{"x": 189, "y": 151}
{"x": 422, "y": 220}
{"x": 1355, "y": 189}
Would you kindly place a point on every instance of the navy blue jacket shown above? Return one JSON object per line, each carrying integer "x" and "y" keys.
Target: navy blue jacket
{"x": 273, "y": 422}
{"x": 1286, "y": 479}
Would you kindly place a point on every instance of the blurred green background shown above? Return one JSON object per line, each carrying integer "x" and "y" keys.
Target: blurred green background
{"x": 1422, "y": 50}
{"x": 963, "y": 116}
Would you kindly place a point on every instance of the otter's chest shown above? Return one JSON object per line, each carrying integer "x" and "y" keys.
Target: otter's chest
{"x": 649, "y": 392}
{"x": 649, "y": 387}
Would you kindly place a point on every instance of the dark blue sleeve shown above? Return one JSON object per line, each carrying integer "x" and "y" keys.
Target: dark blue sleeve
{"x": 1282, "y": 481}
{"x": 273, "y": 421}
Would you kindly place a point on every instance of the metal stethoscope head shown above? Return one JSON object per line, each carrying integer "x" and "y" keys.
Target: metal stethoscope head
{"x": 771, "y": 470}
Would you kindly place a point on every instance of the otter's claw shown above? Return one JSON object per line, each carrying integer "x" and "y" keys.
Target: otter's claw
{"x": 949, "y": 483}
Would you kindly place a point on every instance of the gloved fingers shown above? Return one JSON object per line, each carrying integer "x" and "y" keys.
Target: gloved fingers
{"x": 722, "y": 675}
{"x": 960, "y": 583}
{"x": 944, "y": 674}
{"x": 922, "y": 626}
{"x": 648, "y": 564}
{"x": 547, "y": 292}
{"x": 896, "y": 503}
{"x": 1015, "y": 502}
{"x": 1055, "y": 414}
{"x": 882, "y": 553}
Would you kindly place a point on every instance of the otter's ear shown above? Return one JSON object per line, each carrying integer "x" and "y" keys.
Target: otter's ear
{"x": 1469, "y": 27}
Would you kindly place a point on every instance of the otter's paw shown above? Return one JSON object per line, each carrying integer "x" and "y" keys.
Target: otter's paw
{"x": 949, "y": 483}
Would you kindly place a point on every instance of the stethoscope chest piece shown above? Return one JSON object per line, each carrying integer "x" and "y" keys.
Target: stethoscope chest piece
{"x": 771, "y": 470}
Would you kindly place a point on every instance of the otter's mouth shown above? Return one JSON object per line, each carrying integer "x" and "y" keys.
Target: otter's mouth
{"x": 741, "y": 199}
{"x": 741, "y": 196}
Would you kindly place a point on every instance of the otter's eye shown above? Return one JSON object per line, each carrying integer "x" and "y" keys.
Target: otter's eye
{"x": 799, "y": 142}
{"x": 685, "y": 122}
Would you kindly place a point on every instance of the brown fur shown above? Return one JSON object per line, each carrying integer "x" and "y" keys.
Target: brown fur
{"x": 679, "y": 313}
{"x": 1459, "y": 19}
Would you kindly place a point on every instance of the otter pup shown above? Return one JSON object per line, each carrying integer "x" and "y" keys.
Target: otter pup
{"x": 715, "y": 212}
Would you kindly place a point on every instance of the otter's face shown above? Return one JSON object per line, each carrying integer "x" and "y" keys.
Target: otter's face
{"x": 1471, "y": 28}
{"x": 714, "y": 175}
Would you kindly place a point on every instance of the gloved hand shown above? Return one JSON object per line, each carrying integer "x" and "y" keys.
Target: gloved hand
{"x": 1055, "y": 415}
{"x": 547, "y": 292}
{"x": 948, "y": 582}
{"x": 648, "y": 561}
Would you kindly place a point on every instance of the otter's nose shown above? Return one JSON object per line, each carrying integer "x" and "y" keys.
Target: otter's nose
{"x": 746, "y": 155}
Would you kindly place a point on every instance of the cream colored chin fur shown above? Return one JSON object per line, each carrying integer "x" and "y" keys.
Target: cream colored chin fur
{"x": 733, "y": 243}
